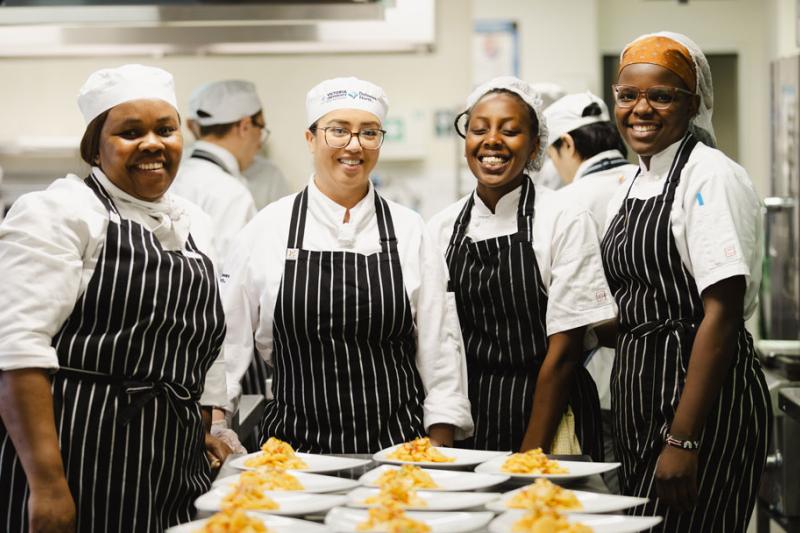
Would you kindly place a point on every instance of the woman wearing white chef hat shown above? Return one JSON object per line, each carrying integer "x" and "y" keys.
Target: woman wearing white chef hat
{"x": 343, "y": 293}
{"x": 527, "y": 278}
{"x": 110, "y": 328}
{"x": 682, "y": 254}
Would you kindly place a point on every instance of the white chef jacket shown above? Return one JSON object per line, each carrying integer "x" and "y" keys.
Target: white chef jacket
{"x": 252, "y": 278}
{"x": 565, "y": 245}
{"x": 594, "y": 191}
{"x": 222, "y": 195}
{"x": 49, "y": 247}
{"x": 716, "y": 216}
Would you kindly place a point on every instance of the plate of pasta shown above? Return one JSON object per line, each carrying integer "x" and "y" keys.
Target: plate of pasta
{"x": 421, "y": 452}
{"x": 278, "y": 454}
{"x": 275, "y": 479}
{"x": 241, "y": 521}
{"x": 431, "y": 479}
{"x": 364, "y": 497}
{"x": 544, "y": 492}
{"x": 534, "y": 464}
{"x": 343, "y": 519}
{"x": 272, "y": 502}
{"x": 553, "y": 522}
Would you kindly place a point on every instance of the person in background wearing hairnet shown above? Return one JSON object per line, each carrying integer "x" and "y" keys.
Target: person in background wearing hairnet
{"x": 682, "y": 254}
{"x": 589, "y": 154}
{"x": 227, "y": 119}
{"x": 344, "y": 293}
{"x": 526, "y": 278}
{"x": 548, "y": 176}
{"x": 110, "y": 329}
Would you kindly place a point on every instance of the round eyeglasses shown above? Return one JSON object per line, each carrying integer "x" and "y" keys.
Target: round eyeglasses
{"x": 659, "y": 96}
{"x": 339, "y": 137}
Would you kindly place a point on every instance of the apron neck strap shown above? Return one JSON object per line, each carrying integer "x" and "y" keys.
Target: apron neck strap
{"x": 211, "y": 158}
{"x": 674, "y": 177}
{"x": 101, "y": 194}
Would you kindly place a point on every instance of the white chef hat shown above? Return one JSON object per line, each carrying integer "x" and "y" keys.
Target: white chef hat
{"x": 109, "y": 87}
{"x": 223, "y": 102}
{"x": 345, "y": 93}
{"x": 701, "y": 124}
{"x": 528, "y": 95}
{"x": 566, "y": 114}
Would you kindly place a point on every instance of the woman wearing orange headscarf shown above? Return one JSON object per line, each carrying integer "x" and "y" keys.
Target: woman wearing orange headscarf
{"x": 682, "y": 256}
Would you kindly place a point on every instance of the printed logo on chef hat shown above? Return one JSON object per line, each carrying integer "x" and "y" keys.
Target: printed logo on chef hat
{"x": 344, "y": 93}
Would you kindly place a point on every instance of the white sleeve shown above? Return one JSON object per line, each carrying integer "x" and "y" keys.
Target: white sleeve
{"x": 578, "y": 294}
{"x": 215, "y": 392}
{"x": 42, "y": 243}
{"x": 440, "y": 350}
{"x": 240, "y": 301}
{"x": 722, "y": 223}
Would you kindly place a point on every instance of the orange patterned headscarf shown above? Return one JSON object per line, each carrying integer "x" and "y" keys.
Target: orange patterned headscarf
{"x": 664, "y": 52}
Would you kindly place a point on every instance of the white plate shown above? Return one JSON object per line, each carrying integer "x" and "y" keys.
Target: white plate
{"x": 289, "y": 503}
{"x": 448, "y": 480}
{"x": 593, "y": 502}
{"x": 575, "y": 469}
{"x": 436, "y": 501}
{"x": 310, "y": 482}
{"x": 600, "y": 523}
{"x": 315, "y": 462}
{"x": 278, "y": 524}
{"x": 462, "y": 457}
{"x": 343, "y": 519}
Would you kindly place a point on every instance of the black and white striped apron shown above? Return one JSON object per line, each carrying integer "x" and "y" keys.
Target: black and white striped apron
{"x": 254, "y": 380}
{"x": 345, "y": 347}
{"x": 502, "y": 308}
{"x": 133, "y": 358}
{"x": 659, "y": 312}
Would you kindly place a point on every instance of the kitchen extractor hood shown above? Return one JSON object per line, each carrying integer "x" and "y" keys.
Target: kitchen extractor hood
{"x": 86, "y": 28}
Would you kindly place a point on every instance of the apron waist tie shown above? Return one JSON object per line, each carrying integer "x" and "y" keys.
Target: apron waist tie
{"x": 670, "y": 325}
{"x": 139, "y": 392}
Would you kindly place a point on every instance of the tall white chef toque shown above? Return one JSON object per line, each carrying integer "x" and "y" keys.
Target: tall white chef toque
{"x": 345, "y": 93}
{"x": 566, "y": 114}
{"x": 223, "y": 102}
{"x": 109, "y": 87}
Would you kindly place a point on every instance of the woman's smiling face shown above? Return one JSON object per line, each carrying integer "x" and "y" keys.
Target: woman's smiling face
{"x": 140, "y": 147}
{"x": 649, "y": 131}
{"x": 501, "y": 139}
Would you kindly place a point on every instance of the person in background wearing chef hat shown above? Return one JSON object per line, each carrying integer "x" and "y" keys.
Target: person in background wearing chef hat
{"x": 682, "y": 254}
{"x": 526, "y": 278}
{"x": 589, "y": 154}
{"x": 343, "y": 293}
{"x": 548, "y": 176}
{"x": 111, "y": 328}
{"x": 227, "y": 120}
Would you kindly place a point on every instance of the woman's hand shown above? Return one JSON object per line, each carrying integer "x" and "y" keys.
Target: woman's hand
{"x": 51, "y": 508}
{"x": 676, "y": 478}
{"x": 216, "y": 450}
{"x": 441, "y": 434}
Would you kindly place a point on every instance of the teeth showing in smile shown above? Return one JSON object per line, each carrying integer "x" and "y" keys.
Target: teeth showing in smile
{"x": 644, "y": 127}
{"x": 351, "y": 161}
{"x": 492, "y": 160}
{"x": 150, "y": 166}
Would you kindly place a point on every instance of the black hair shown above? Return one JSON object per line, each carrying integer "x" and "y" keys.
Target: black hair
{"x": 90, "y": 142}
{"x": 220, "y": 130}
{"x": 594, "y": 138}
{"x": 462, "y": 119}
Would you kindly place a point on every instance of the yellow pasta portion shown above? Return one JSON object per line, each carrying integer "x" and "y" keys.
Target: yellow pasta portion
{"x": 391, "y": 518}
{"x": 419, "y": 450}
{"x": 399, "y": 491}
{"x": 248, "y": 496}
{"x": 543, "y": 492}
{"x": 276, "y": 453}
{"x": 532, "y": 462}
{"x": 418, "y": 478}
{"x": 233, "y": 521}
{"x": 546, "y": 520}
{"x": 271, "y": 479}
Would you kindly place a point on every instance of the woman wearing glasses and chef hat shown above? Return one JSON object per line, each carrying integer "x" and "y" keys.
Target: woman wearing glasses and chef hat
{"x": 343, "y": 293}
{"x": 110, "y": 328}
{"x": 682, "y": 254}
{"x": 525, "y": 273}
